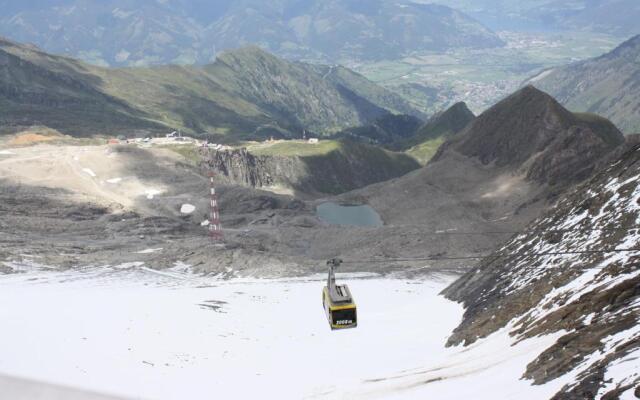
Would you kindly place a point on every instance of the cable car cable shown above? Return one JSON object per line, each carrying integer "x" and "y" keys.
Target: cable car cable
{"x": 460, "y": 258}
{"x": 462, "y": 233}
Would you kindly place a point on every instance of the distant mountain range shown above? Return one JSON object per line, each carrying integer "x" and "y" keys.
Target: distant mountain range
{"x": 246, "y": 93}
{"x": 616, "y": 17}
{"x": 608, "y": 85}
{"x": 138, "y": 32}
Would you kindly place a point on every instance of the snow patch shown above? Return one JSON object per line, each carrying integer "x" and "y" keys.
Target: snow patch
{"x": 187, "y": 208}
{"x": 129, "y": 265}
{"x": 114, "y": 181}
{"x": 149, "y": 251}
{"x": 26, "y": 266}
{"x": 89, "y": 172}
{"x": 151, "y": 193}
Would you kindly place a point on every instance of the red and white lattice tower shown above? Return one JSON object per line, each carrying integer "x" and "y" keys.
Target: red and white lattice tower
{"x": 215, "y": 229}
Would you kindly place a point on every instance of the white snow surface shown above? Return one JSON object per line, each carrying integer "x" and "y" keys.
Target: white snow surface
{"x": 149, "y": 251}
{"x": 625, "y": 371}
{"x": 135, "y": 332}
{"x": 151, "y": 193}
{"x": 187, "y": 208}
{"x": 89, "y": 172}
{"x": 6, "y": 153}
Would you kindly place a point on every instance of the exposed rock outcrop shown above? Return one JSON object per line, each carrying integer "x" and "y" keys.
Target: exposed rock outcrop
{"x": 243, "y": 168}
{"x": 531, "y": 134}
{"x": 349, "y": 166}
{"x": 575, "y": 270}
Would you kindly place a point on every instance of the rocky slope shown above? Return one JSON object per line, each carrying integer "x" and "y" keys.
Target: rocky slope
{"x": 333, "y": 168}
{"x": 607, "y": 85}
{"x": 136, "y": 32}
{"x": 428, "y": 212}
{"x": 36, "y": 88}
{"x": 496, "y": 175}
{"x": 244, "y": 93}
{"x": 543, "y": 141}
{"x": 574, "y": 272}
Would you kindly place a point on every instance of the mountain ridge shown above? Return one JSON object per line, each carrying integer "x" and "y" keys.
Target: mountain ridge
{"x": 479, "y": 182}
{"x": 137, "y": 33}
{"x": 247, "y": 93}
{"x": 590, "y": 85}
{"x": 544, "y": 136}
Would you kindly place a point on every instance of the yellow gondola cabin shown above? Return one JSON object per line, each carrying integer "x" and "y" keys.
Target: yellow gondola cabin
{"x": 337, "y": 301}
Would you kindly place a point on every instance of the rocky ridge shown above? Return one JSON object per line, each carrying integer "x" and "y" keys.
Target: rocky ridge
{"x": 246, "y": 93}
{"x": 575, "y": 272}
{"x": 347, "y": 166}
{"x": 531, "y": 134}
{"x": 590, "y": 85}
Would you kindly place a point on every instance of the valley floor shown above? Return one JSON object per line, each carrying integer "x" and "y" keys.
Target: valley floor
{"x": 138, "y": 333}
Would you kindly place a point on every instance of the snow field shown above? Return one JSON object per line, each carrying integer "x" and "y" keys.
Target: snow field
{"x": 139, "y": 333}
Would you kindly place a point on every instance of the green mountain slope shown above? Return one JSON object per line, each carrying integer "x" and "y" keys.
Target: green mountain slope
{"x": 426, "y": 141}
{"x": 608, "y": 85}
{"x": 411, "y": 135}
{"x": 386, "y": 130}
{"x": 38, "y": 89}
{"x": 246, "y": 93}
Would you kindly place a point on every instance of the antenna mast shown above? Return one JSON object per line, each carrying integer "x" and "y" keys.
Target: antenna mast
{"x": 215, "y": 228}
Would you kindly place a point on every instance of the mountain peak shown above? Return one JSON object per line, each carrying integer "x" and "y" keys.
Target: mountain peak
{"x": 458, "y": 111}
{"x": 531, "y": 93}
{"x": 245, "y": 52}
{"x": 630, "y": 47}
{"x": 446, "y": 123}
{"x": 530, "y": 126}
